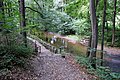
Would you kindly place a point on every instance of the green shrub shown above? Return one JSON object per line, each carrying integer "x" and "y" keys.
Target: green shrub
{"x": 102, "y": 72}
{"x": 14, "y": 55}
{"x": 22, "y": 51}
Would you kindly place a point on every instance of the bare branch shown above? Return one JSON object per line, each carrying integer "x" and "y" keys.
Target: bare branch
{"x": 38, "y": 5}
{"x": 35, "y": 11}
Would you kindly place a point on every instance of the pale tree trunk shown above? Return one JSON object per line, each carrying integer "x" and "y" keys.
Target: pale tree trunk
{"x": 103, "y": 27}
{"x": 90, "y": 39}
{"x": 22, "y": 19}
{"x": 114, "y": 15}
{"x": 94, "y": 33}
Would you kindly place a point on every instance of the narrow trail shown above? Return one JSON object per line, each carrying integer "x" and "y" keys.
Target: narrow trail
{"x": 50, "y": 66}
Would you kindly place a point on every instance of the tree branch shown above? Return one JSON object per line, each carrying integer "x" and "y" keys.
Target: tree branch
{"x": 38, "y": 5}
{"x": 35, "y": 11}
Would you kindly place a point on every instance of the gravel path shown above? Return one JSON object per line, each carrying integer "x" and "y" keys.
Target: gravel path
{"x": 50, "y": 66}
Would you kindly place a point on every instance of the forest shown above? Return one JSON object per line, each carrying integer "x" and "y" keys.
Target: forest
{"x": 59, "y": 40}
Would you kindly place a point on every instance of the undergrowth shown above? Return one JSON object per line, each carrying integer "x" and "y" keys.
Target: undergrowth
{"x": 103, "y": 73}
{"x": 13, "y": 53}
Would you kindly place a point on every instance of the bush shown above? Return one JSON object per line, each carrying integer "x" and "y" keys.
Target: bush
{"x": 14, "y": 55}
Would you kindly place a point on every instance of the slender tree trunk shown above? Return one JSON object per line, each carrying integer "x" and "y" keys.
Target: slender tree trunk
{"x": 114, "y": 15}
{"x": 107, "y": 32}
{"x": 1, "y": 5}
{"x": 22, "y": 19}
{"x": 90, "y": 38}
{"x": 89, "y": 46}
{"x": 1, "y": 14}
{"x": 97, "y": 1}
{"x": 103, "y": 27}
{"x": 94, "y": 33}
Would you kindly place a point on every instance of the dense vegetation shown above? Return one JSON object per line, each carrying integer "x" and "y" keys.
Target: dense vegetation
{"x": 99, "y": 20}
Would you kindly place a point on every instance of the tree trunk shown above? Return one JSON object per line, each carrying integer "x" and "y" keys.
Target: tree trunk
{"x": 107, "y": 32}
{"x": 97, "y": 1}
{"x": 90, "y": 38}
{"x": 103, "y": 27}
{"x": 22, "y": 19}
{"x": 114, "y": 15}
{"x": 89, "y": 46}
{"x": 94, "y": 33}
{"x": 2, "y": 14}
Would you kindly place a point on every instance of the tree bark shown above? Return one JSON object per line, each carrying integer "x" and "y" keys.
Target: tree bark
{"x": 97, "y": 1}
{"x": 94, "y": 33}
{"x": 2, "y": 14}
{"x": 89, "y": 46}
{"x": 22, "y": 19}
{"x": 107, "y": 32}
{"x": 114, "y": 15}
{"x": 90, "y": 38}
{"x": 103, "y": 27}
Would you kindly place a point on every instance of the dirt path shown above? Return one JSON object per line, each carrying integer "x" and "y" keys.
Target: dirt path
{"x": 50, "y": 66}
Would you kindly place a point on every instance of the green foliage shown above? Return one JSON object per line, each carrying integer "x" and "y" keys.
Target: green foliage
{"x": 84, "y": 61}
{"x": 81, "y": 27}
{"x": 103, "y": 73}
{"x": 13, "y": 55}
{"x": 77, "y": 8}
{"x": 12, "y": 50}
{"x": 11, "y": 14}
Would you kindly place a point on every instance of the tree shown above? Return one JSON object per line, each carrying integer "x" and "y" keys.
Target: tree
{"x": 1, "y": 14}
{"x": 97, "y": 1}
{"x": 94, "y": 32}
{"x": 103, "y": 27}
{"x": 90, "y": 38}
{"x": 22, "y": 19}
{"x": 114, "y": 15}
